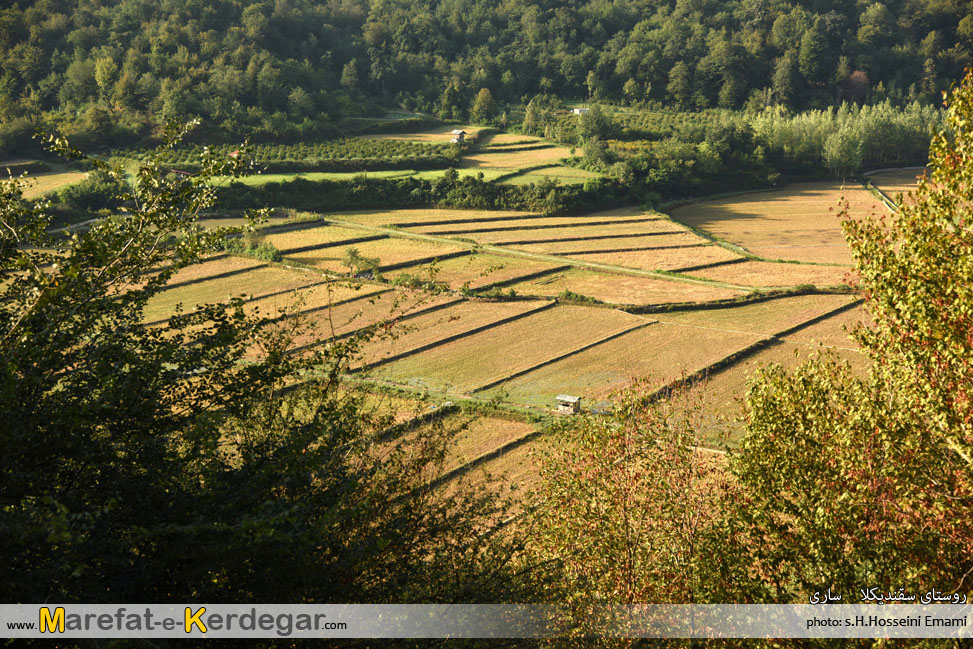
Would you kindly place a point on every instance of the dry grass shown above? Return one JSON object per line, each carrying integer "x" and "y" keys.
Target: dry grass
{"x": 466, "y": 364}
{"x": 795, "y": 223}
{"x": 767, "y": 274}
{"x": 765, "y": 318}
{"x": 516, "y": 471}
{"x": 597, "y": 245}
{"x": 672, "y": 259}
{"x": 390, "y": 251}
{"x": 622, "y": 289}
{"x": 314, "y": 236}
{"x": 434, "y": 135}
{"x": 313, "y": 297}
{"x": 513, "y": 160}
{"x": 430, "y": 327}
{"x": 660, "y": 352}
{"x": 476, "y": 270}
{"x": 395, "y": 217}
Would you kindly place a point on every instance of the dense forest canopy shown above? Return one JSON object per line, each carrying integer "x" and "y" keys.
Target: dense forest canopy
{"x": 108, "y": 70}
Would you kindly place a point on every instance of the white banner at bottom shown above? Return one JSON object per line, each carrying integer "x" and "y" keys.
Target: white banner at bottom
{"x": 482, "y": 621}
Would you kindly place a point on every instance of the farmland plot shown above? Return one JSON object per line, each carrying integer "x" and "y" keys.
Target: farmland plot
{"x": 834, "y": 332}
{"x": 43, "y": 183}
{"x": 500, "y": 159}
{"x": 622, "y": 289}
{"x": 314, "y": 236}
{"x": 389, "y": 252}
{"x": 254, "y": 283}
{"x": 764, "y": 318}
{"x": 549, "y": 223}
{"x": 475, "y": 361}
{"x": 561, "y": 173}
{"x": 768, "y": 274}
{"x": 433, "y": 135}
{"x": 659, "y": 240}
{"x": 897, "y": 182}
{"x": 429, "y": 328}
{"x": 671, "y": 259}
{"x": 659, "y": 352}
{"x": 476, "y": 270}
{"x": 408, "y": 217}
{"x": 795, "y": 223}
{"x": 214, "y": 266}
{"x": 620, "y": 229}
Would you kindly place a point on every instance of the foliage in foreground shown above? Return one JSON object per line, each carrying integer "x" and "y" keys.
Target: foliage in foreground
{"x": 184, "y": 462}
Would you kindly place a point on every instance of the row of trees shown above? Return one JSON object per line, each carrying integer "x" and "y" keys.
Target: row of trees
{"x": 109, "y": 70}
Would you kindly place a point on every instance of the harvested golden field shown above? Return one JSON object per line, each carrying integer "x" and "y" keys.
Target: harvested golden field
{"x": 671, "y": 259}
{"x": 764, "y": 318}
{"x": 433, "y": 135}
{"x": 767, "y": 274}
{"x": 315, "y": 297}
{"x": 719, "y": 399}
{"x": 893, "y": 183}
{"x": 513, "y": 160}
{"x": 344, "y": 318}
{"x": 419, "y": 216}
{"x": 476, "y": 270}
{"x": 616, "y": 288}
{"x": 467, "y": 364}
{"x": 833, "y": 332}
{"x": 483, "y": 435}
{"x": 428, "y": 328}
{"x": 389, "y": 251}
{"x": 583, "y": 231}
{"x": 549, "y": 223}
{"x": 513, "y": 473}
{"x": 795, "y": 223}
{"x": 323, "y": 234}
{"x": 256, "y": 282}
{"x": 42, "y": 183}
{"x": 221, "y": 264}
{"x": 658, "y": 352}
{"x": 651, "y": 241}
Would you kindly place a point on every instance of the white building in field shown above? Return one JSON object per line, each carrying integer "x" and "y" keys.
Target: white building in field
{"x": 458, "y": 136}
{"x": 580, "y": 111}
{"x": 567, "y": 404}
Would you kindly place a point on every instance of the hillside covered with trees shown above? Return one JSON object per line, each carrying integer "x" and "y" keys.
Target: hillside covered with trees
{"x": 108, "y": 71}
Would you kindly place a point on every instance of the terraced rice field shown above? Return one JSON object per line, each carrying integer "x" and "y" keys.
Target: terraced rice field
{"x": 834, "y": 332}
{"x": 795, "y": 223}
{"x": 651, "y": 241}
{"x": 429, "y": 328}
{"x": 476, "y": 270}
{"x": 214, "y": 266}
{"x": 256, "y": 282}
{"x": 659, "y": 352}
{"x": 508, "y": 139}
{"x": 407, "y": 217}
{"x": 472, "y": 362}
{"x": 314, "y": 236}
{"x": 388, "y": 251}
{"x": 481, "y": 436}
{"x": 615, "y": 288}
{"x": 553, "y": 224}
{"x": 768, "y": 274}
{"x": 315, "y": 298}
{"x": 513, "y": 160}
{"x": 609, "y": 228}
{"x": 896, "y": 182}
{"x": 763, "y": 318}
{"x": 662, "y": 259}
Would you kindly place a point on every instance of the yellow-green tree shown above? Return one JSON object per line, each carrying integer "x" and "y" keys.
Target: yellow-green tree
{"x": 869, "y": 481}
